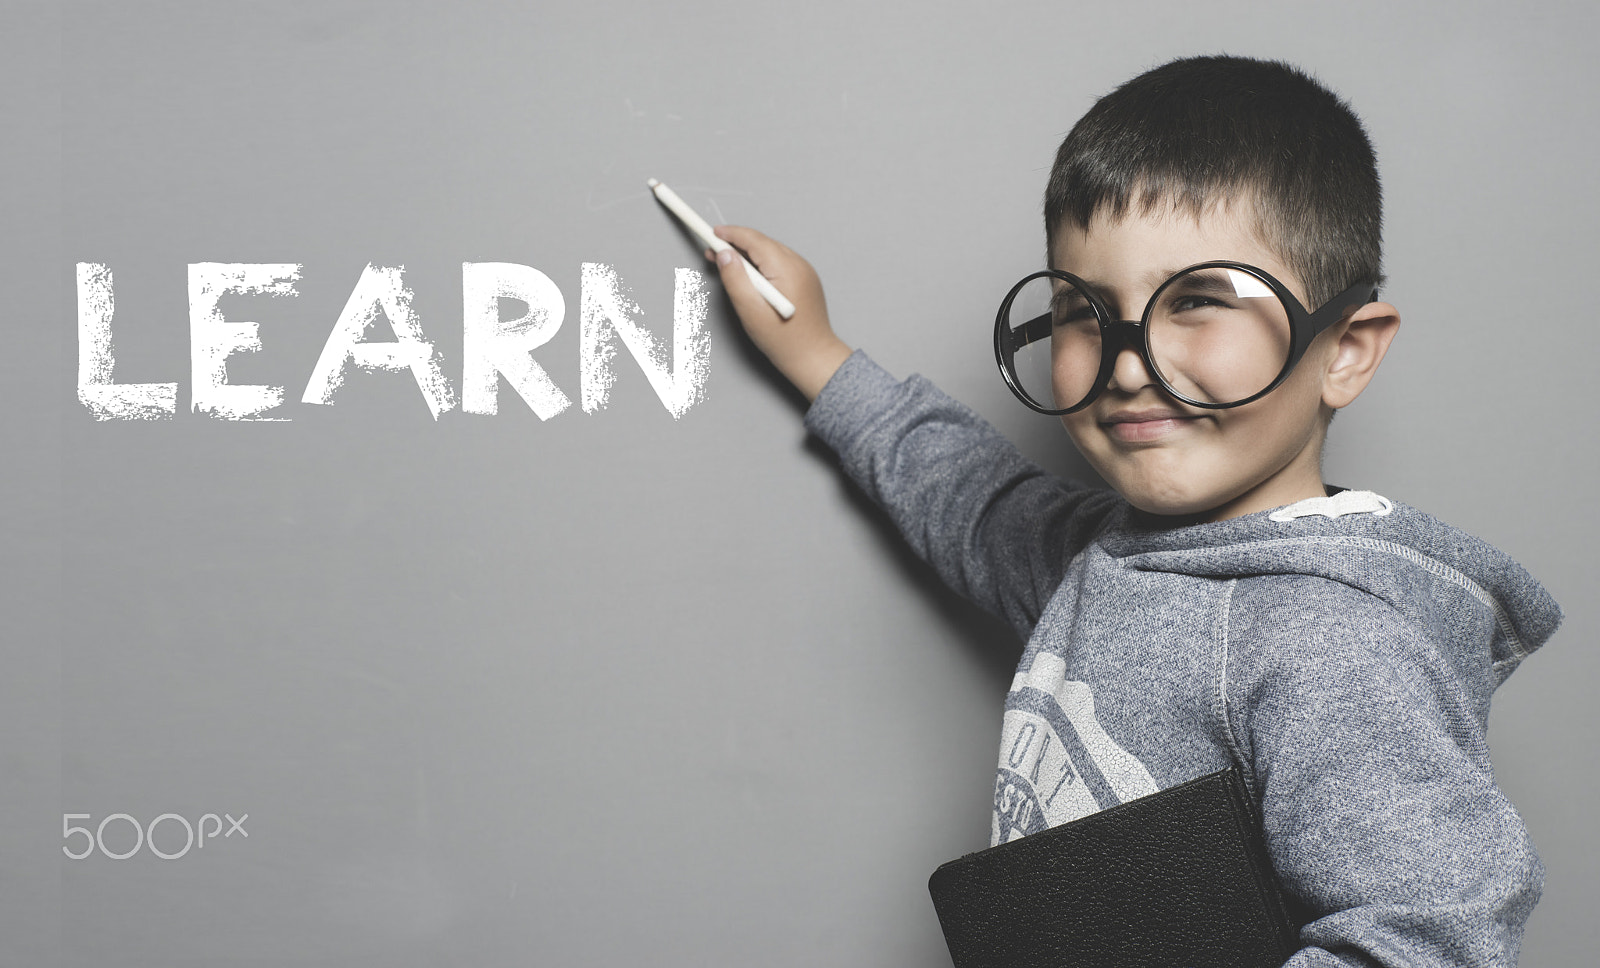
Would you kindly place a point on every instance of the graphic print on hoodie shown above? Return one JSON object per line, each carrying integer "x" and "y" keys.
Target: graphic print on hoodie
{"x": 1056, "y": 762}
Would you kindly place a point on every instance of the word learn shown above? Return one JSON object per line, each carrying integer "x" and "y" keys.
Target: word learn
{"x": 492, "y": 347}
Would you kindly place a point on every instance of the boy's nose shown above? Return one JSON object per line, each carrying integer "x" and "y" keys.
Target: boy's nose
{"x": 1129, "y": 373}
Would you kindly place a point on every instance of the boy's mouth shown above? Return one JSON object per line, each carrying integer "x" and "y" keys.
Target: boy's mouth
{"x": 1145, "y": 424}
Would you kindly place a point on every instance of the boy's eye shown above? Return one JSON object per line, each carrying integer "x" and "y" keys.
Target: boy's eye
{"x": 1185, "y": 303}
{"x": 1206, "y": 289}
{"x": 1079, "y": 315}
{"x": 1069, "y": 308}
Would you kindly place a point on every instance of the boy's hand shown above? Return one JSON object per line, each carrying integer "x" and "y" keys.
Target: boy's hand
{"x": 803, "y": 347}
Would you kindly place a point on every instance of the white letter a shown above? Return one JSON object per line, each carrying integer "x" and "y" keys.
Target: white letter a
{"x": 380, "y": 290}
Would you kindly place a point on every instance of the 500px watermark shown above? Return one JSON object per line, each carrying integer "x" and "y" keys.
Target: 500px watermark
{"x": 196, "y": 834}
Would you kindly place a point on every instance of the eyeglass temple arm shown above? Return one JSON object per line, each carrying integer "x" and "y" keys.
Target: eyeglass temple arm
{"x": 1032, "y": 331}
{"x": 1342, "y": 305}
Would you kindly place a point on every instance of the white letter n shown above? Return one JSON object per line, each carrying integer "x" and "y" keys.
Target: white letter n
{"x": 608, "y": 314}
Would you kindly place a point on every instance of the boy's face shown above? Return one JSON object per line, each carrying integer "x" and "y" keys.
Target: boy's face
{"x": 1166, "y": 457}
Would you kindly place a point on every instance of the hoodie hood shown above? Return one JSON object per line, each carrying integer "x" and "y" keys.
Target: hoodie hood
{"x": 1472, "y": 599}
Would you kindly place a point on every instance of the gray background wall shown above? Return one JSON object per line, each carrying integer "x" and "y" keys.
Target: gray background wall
{"x": 615, "y": 688}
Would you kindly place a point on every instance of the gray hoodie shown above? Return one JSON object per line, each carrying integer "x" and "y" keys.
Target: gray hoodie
{"x": 1342, "y": 650}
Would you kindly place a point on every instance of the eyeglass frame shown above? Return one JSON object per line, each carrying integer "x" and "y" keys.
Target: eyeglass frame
{"x": 1117, "y": 335}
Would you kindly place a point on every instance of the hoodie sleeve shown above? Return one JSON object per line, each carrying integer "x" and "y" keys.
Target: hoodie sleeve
{"x": 994, "y": 526}
{"x": 1372, "y": 768}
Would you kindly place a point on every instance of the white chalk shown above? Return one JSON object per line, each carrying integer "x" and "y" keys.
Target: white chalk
{"x": 702, "y": 229}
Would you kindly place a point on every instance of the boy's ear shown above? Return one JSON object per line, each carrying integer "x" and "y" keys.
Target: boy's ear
{"x": 1362, "y": 340}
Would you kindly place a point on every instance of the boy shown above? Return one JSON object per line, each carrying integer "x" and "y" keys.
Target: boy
{"x": 1224, "y": 605}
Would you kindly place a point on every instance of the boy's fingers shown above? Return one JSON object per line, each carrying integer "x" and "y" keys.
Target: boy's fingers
{"x": 760, "y": 249}
{"x": 747, "y": 302}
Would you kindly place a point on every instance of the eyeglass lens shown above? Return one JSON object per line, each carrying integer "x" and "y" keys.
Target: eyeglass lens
{"x": 1216, "y": 335}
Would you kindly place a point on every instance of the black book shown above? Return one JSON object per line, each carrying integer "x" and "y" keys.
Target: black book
{"x": 1177, "y": 879}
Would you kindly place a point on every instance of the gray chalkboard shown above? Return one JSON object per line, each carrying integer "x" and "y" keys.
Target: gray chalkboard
{"x": 640, "y": 683}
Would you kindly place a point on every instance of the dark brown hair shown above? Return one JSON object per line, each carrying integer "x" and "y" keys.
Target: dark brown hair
{"x": 1203, "y": 130}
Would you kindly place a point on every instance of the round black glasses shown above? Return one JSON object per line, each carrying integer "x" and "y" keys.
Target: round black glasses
{"x": 1215, "y": 335}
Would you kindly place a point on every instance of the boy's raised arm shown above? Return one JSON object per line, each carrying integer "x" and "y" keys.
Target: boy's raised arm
{"x": 803, "y": 347}
{"x": 994, "y": 526}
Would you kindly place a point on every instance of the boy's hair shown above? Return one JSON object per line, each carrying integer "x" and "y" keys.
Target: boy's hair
{"x": 1201, "y": 130}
